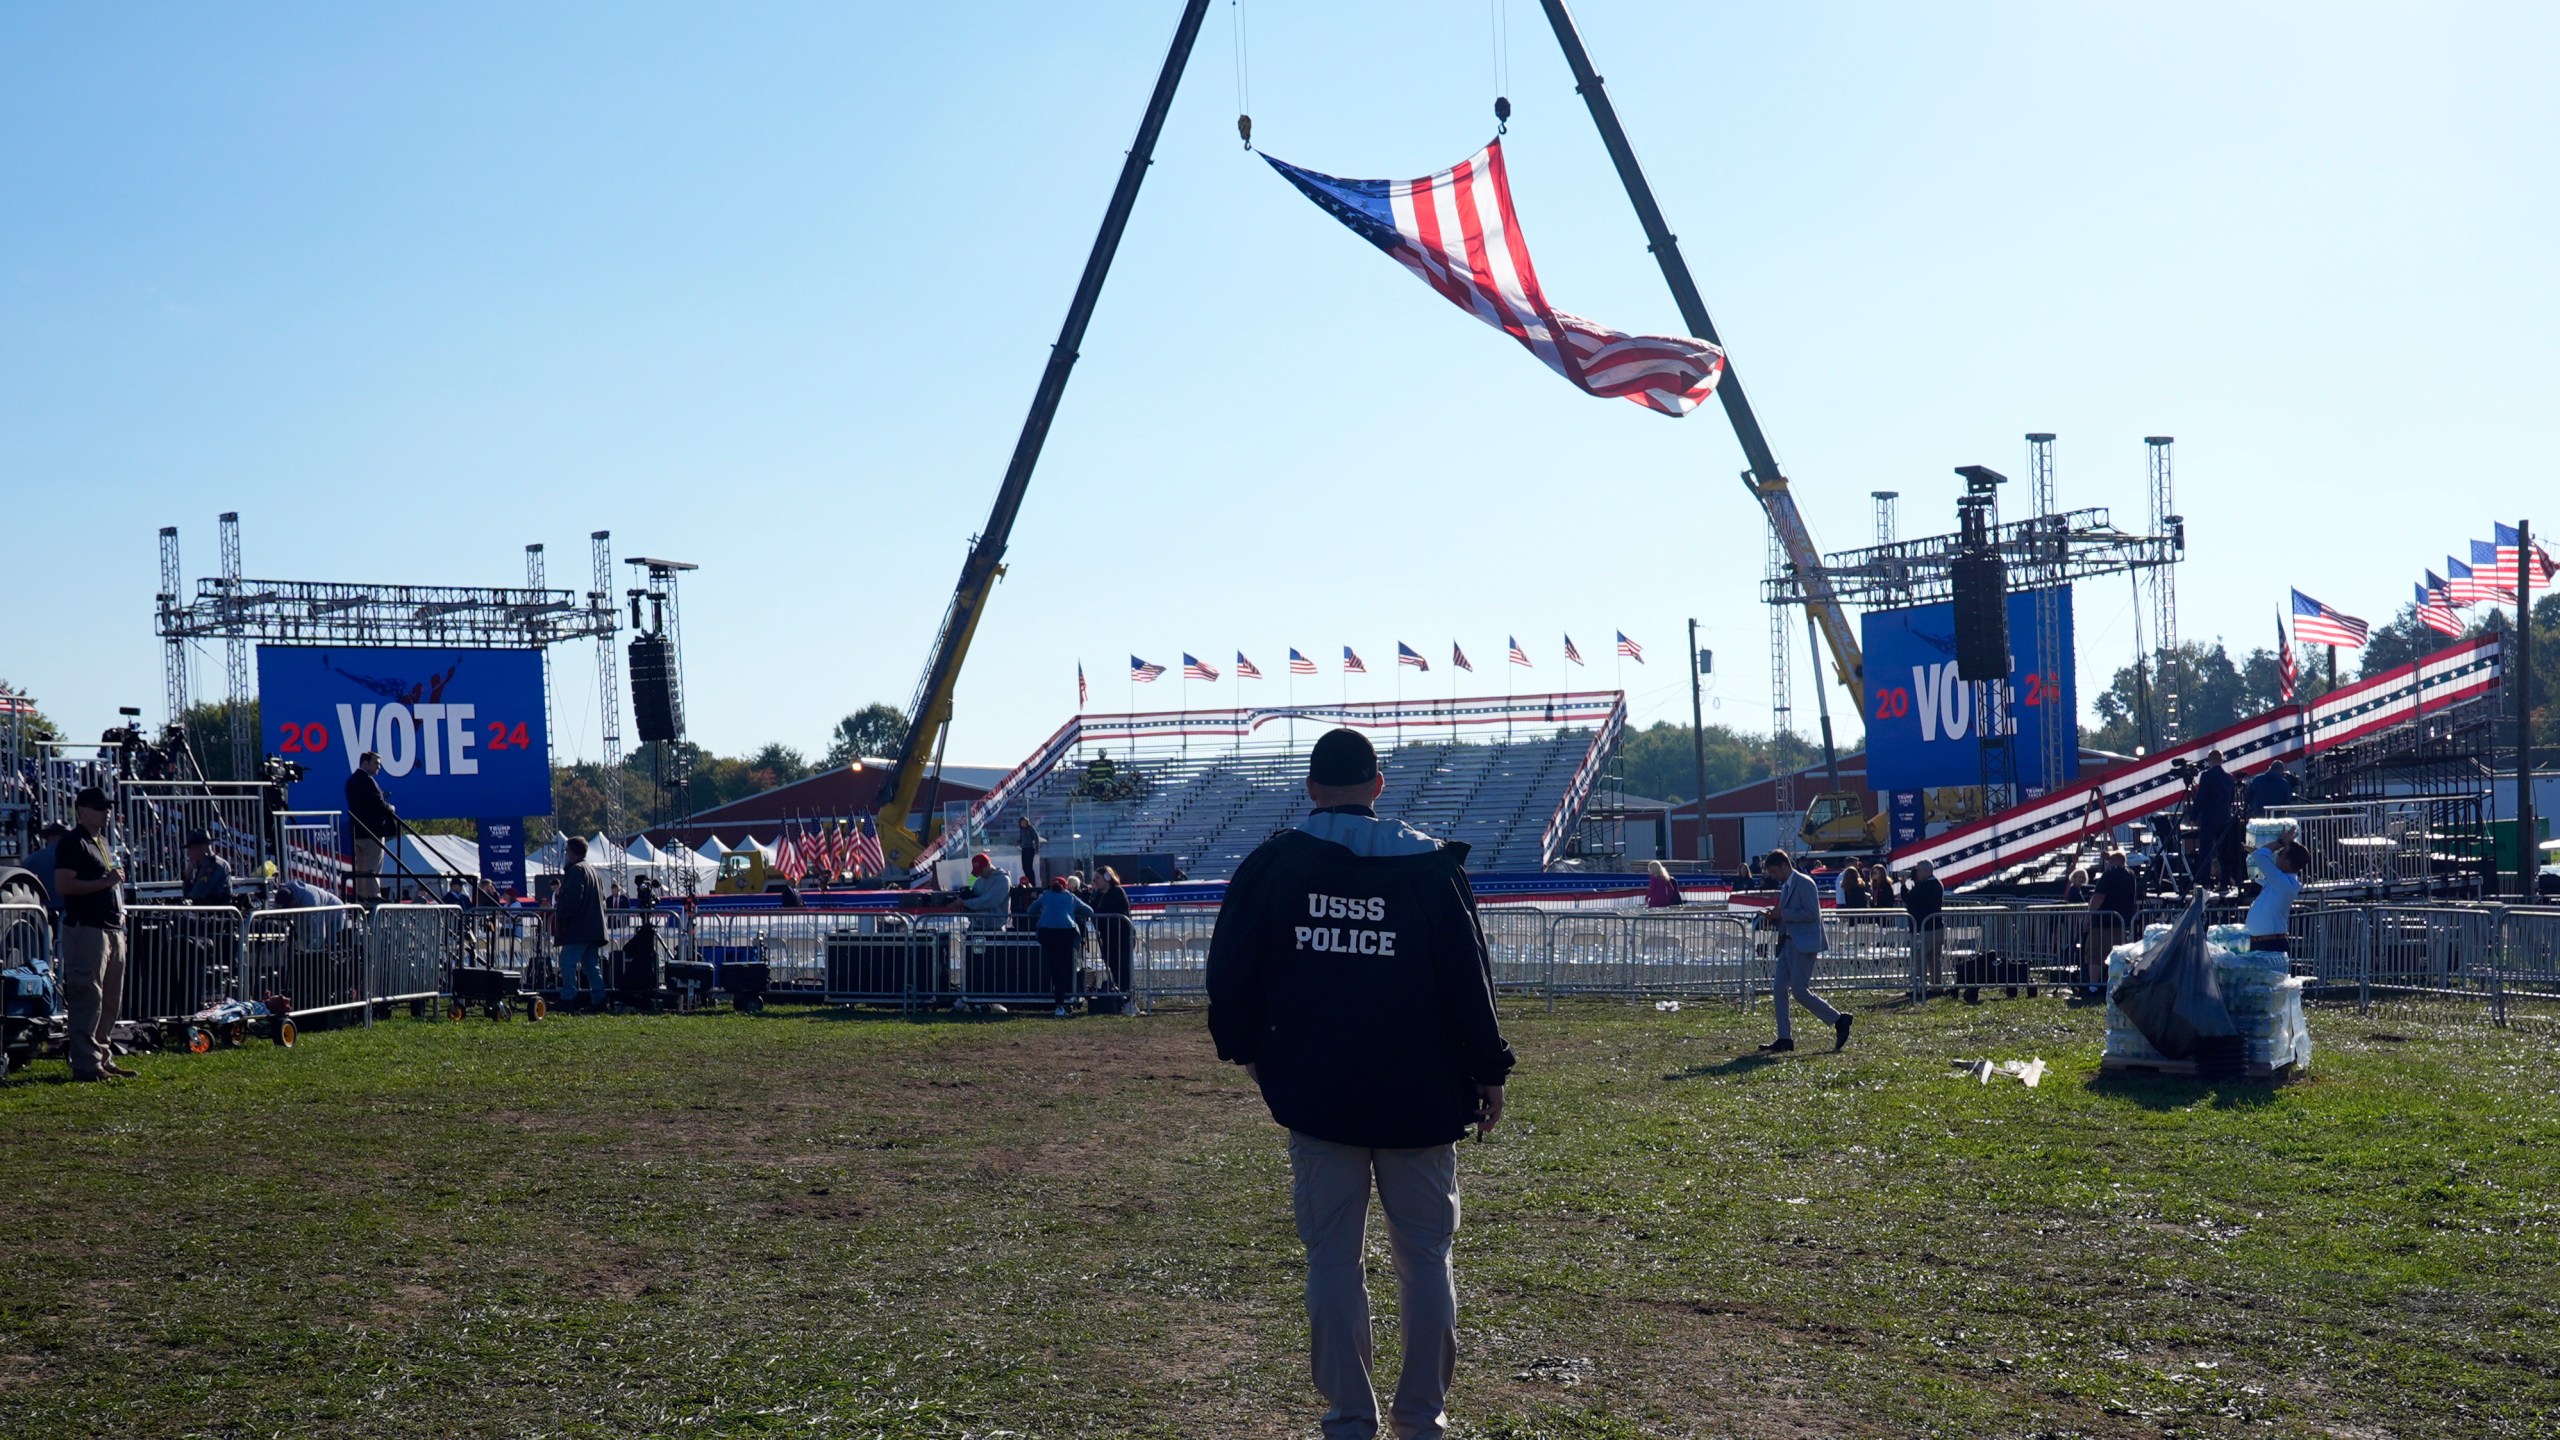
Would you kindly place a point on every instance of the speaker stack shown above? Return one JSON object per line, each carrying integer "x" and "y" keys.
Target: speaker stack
{"x": 1982, "y": 617}
{"x": 656, "y": 707}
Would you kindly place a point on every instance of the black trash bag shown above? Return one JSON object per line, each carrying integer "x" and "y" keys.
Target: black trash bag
{"x": 2174, "y": 998}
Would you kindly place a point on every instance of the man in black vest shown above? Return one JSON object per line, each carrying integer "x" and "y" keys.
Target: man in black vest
{"x": 374, "y": 822}
{"x": 1349, "y": 976}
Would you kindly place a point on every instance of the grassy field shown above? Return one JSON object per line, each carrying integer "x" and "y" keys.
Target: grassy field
{"x": 801, "y": 1224}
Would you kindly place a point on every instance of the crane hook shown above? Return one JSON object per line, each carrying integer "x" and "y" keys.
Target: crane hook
{"x": 1244, "y": 129}
{"x": 1502, "y": 114}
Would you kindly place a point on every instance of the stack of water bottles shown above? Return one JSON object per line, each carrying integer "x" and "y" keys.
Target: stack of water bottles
{"x": 2264, "y": 1000}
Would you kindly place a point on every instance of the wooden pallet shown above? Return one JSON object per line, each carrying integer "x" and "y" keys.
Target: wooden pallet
{"x": 2186, "y": 1069}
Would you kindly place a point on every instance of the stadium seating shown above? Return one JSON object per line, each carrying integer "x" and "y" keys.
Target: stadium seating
{"x": 1211, "y": 807}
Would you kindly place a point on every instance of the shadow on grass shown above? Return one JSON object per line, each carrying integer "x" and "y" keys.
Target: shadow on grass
{"x": 1738, "y": 1065}
{"x": 2178, "y": 1092}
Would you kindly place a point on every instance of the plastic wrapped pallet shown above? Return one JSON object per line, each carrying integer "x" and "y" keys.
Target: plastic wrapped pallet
{"x": 2265, "y": 1000}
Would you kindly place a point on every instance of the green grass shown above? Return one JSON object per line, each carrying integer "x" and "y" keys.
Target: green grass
{"x": 798, "y": 1224}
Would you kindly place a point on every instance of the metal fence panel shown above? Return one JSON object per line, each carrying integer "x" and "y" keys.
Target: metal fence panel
{"x": 313, "y": 956}
{"x": 26, "y": 936}
{"x": 179, "y": 959}
{"x": 410, "y": 949}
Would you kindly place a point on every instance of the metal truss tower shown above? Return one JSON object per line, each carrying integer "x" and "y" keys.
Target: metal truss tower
{"x": 235, "y": 645}
{"x": 666, "y": 620}
{"x": 608, "y": 686}
{"x": 173, "y": 654}
{"x": 1888, "y": 523}
{"x": 536, "y": 579}
{"x": 1782, "y": 716}
{"x": 2045, "y": 576}
{"x": 2165, "y": 520}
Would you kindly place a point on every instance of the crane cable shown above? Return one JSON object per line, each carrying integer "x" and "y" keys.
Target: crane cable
{"x": 1499, "y": 19}
{"x": 1244, "y": 76}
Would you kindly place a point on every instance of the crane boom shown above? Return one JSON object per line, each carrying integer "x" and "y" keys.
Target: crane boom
{"x": 1766, "y": 482}
{"x": 930, "y": 712}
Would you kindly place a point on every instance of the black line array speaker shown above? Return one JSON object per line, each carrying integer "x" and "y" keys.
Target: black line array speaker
{"x": 1982, "y": 617}
{"x": 656, "y": 710}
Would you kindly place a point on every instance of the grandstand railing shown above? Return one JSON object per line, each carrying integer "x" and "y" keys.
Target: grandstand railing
{"x": 1577, "y": 791}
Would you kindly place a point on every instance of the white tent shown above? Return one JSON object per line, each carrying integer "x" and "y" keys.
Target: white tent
{"x": 712, "y": 850}
{"x": 426, "y": 861}
{"x": 640, "y": 851}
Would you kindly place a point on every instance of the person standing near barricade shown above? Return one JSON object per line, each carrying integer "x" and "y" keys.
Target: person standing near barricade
{"x": 577, "y": 927}
{"x": 374, "y": 822}
{"x": 1113, "y": 926}
{"x": 1924, "y": 899}
{"x": 1797, "y": 917}
{"x": 2215, "y": 791}
{"x": 86, "y": 876}
{"x": 1348, "y": 975}
{"x": 990, "y": 897}
{"x": 1026, "y": 838}
{"x": 2277, "y": 866}
{"x": 1853, "y": 886}
{"x": 1060, "y": 919}
{"x": 2268, "y": 789}
{"x": 2115, "y": 899}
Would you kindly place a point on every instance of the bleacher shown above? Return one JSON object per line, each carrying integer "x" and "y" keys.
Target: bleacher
{"x": 1210, "y": 786}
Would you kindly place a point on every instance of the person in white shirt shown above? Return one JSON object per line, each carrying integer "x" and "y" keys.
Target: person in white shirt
{"x": 2277, "y": 867}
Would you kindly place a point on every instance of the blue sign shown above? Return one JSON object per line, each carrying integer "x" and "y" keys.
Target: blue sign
{"x": 1920, "y": 717}
{"x": 460, "y": 732}
{"x": 502, "y": 855}
{"x": 1909, "y": 817}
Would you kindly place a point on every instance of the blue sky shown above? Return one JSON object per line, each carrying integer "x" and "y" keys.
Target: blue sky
{"x": 767, "y": 287}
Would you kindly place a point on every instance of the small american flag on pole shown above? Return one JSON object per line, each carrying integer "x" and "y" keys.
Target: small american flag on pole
{"x": 1351, "y": 662}
{"x": 1082, "y": 694}
{"x": 1518, "y": 655}
{"x": 1300, "y": 664}
{"x": 1629, "y": 648}
{"x": 1456, "y": 230}
{"x": 1458, "y": 657}
{"x": 1570, "y": 653}
{"x": 868, "y": 858}
{"x": 2317, "y": 624}
{"x": 2288, "y": 670}
{"x": 1142, "y": 672}
{"x": 1407, "y": 655}
{"x": 1194, "y": 669}
{"x": 2434, "y": 610}
{"x": 2459, "y": 587}
{"x": 1245, "y": 669}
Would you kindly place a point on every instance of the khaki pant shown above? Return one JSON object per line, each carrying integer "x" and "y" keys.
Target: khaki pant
{"x": 93, "y": 985}
{"x": 1418, "y": 1189}
{"x": 368, "y": 877}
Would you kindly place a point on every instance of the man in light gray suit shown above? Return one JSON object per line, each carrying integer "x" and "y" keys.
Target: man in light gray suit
{"x": 1797, "y": 918}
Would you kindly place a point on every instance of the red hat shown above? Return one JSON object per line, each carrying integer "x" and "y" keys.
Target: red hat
{"x": 979, "y": 863}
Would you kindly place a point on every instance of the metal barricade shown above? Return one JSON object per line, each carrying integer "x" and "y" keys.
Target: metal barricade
{"x": 2529, "y": 968}
{"x": 179, "y": 959}
{"x": 1868, "y": 950}
{"x": 411, "y": 948}
{"x": 314, "y": 956}
{"x": 1516, "y": 938}
{"x": 1172, "y": 956}
{"x": 26, "y": 937}
{"x": 1004, "y": 967}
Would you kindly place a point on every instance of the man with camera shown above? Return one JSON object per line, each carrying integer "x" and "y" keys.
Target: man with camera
{"x": 374, "y": 821}
{"x": 90, "y": 883}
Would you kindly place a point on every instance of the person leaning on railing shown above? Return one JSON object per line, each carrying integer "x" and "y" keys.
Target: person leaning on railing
{"x": 1060, "y": 919}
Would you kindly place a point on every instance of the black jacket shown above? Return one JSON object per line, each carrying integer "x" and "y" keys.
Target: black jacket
{"x": 1359, "y": 988}
{"x": 1923, "y": 899}
{"x": 369, "y": 808}
{"x": 2215, "y": 790}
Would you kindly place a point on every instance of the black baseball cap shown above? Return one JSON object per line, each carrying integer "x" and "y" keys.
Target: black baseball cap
{"x": 91, "y": 798}
{"x": 199, "y": 837}
{"x": 1343, "y": 757}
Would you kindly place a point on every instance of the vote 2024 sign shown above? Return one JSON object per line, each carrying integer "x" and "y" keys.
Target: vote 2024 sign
{"x": 1922, "y": 730}
{"x": 460, "y": 732}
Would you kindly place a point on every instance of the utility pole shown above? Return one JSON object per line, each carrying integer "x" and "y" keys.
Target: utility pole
{"x": 1698, "y": 663}
{"x": 2528, "y": 856}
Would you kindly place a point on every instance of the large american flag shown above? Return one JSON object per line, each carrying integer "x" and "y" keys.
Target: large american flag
{"x": 1300, "y": 664}
{"x": 2317, "y": 624}
{"x": 2510, "y": 554}
{"x": 1245, "y": 669}
{"x": 2435, "y": 610}
{"x": 1193, "y": 669}
{"x": 1456, "y": 230}
{"x": 1142, "y": 672}
{"x": 2288, "y": 669}
{"x": 2493, "y": 573}
{"x": 1629, "y": 648}
{"x": 1407, "y": 655}
{"x": 868, "y": 859}
{"x": 1518, "y": 655}
{"x": 1351, "y": 662}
